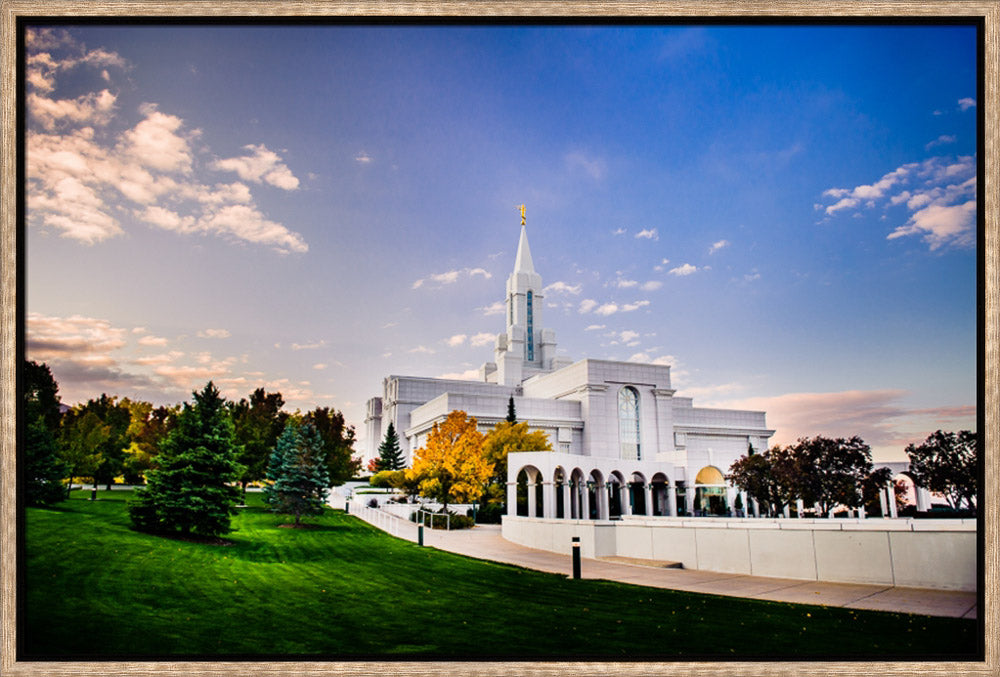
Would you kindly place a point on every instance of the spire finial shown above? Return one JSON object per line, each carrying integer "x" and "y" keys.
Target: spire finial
{"x": 522, "y": 215}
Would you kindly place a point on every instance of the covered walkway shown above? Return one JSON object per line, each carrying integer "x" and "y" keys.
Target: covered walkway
{"x": 485, "y": 542}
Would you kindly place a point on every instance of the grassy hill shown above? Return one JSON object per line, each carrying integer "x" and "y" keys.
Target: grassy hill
{"x": 342, "y": 589}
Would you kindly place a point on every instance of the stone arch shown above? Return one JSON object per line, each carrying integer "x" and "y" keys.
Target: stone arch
{"x": 659, "y": 495}
{"x": 596, "y": 495}
{"x": 560, "y": 483}
{"x": 710, "y": 492}
{"x": 529, "y": 489}
{"x": 618, "y": 498}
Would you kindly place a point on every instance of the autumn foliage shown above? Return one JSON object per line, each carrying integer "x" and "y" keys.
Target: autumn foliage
{"x": 451, "y": 467}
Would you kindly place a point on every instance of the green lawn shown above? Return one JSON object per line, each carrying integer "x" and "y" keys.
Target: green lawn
{"x": 96, "y": 589}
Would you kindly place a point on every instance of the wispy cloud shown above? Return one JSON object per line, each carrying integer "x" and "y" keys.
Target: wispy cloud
{"x": 309, "y": 346}
{"x": 594, "y": 327}
{"x": 561, "y": 287}
{"x": 647, "y": 234}
{"x": 966, "y": 103}
{"x": 482, "y": 339}
{"x": 456, "y": 340}
{"x": 495, "y": 308}
{"x": 593, "y": 167}
{"x": 942, "y": 140}
{"x": 451, "y": 277}
{"x": 940, "y": 193}
{"x": 214, "y": 333}
{"x": 363, "y": 158}
{"x": 716, "y": 246}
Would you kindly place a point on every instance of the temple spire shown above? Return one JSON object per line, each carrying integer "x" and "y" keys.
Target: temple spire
{"x": 523, "y": 263}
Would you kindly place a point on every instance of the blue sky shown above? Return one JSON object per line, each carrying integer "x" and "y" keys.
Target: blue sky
{"x": 785, "y": 215}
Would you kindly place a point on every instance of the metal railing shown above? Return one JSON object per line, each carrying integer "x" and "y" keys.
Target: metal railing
{"x": 387, "y": 522}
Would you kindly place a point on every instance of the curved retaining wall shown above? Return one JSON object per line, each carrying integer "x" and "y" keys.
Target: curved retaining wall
{"x": 918, "y": 553}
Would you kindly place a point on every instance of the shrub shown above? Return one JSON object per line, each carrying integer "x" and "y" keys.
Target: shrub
{"x": 373, "y": 503}
{"x": 490, "y": 513}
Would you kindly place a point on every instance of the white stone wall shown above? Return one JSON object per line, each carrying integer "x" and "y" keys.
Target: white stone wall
{"x": 916, "y": 553}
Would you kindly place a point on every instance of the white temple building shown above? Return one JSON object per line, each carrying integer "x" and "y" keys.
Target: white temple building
{"x": 619, "y": 421}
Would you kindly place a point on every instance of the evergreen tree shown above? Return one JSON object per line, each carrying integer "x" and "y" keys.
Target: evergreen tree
{"x": 43, "y": 471}
{"x": 511, "y": 414}
{"x": 193, "y": 490}
{"x": 298, "y": 471}
{"x": 390, "y": 456}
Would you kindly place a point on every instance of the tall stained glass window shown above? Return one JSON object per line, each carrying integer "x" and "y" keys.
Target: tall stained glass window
{"x": 530, "y": 343}
{"x": 628, "y": 423}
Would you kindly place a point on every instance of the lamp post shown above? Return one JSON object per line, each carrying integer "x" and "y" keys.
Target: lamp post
{"x": 576, "y": 557}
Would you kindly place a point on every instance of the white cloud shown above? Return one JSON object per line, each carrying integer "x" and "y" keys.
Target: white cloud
{"x": 260, "y": 166}
{"x": 629, "y": 307}
{"x": 966, "y": 103}
{"x": 939, "y": 192}
{"x": 456, "y": 340}
{"x": 648, "y": 234}
{"x": 563, "y": 288}
{"x": 607, "y": 309}
{"x": 686, "y": 269}
{"x": 320, "y": 366}
{"x": 309, "y": 346}
{"x": 619, "y": 231}
{"x": 363, "y": 158}
{"x": 651, "y": 285}
{"x": 79, "y": 168}
{"x": 152, "y": 341}
{"x": 155, "y": 360}
{"x": 50, "y": 338}
{"x": 594, "y": 327}
{"x": 451, "y": 277}
{"x": 496, "y": 308}
{"x": 157, "y": 144}
{"x": 482, "y": 339}
{"x": 214, "y": 333}
{"x": 716, "y": 246}
{"x": 942, "y": 140}
{"x": 421, "y": 349}
{"x": 942, "y": 225}
{"x": 587, "y": 305}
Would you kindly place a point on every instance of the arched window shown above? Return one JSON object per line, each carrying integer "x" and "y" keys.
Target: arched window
{"x": 530, "y": 331}
{"x": 628, "y": 423}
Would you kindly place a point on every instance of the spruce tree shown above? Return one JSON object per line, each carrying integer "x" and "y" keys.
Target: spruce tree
{"x": 298, "y": 471}
{"x": 194, "y": 490}
{"x": 390, "y": 456}
{"x": 511, "y": 414}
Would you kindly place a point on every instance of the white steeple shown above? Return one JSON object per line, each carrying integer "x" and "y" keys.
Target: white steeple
{"x": 523, "y": 263}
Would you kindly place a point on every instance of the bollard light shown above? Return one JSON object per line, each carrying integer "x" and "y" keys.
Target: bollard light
{"x": 347, "y": 507}
{"x": 420, "y": 534}
{"x": 93, "y": 494}
{"x": 576, "y": 557}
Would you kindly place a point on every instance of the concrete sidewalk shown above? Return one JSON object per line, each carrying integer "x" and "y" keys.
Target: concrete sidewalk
{"x": 486, "y": 542}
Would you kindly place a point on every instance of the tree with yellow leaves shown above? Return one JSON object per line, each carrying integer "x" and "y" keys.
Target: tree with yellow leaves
{"x": 451, "y": 467}
{"x": 504, "y": 438}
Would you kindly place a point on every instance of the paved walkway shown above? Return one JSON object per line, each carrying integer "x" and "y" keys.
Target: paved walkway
{"x": 485, "y": 542}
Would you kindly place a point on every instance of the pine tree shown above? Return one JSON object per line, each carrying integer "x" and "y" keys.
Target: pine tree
{"x": 390, "y": 456}
{"x": 298, "y": 471}
{"x": 193, "y": 491}
{"x": 511, "y": 414}
{"x": 43, "y": 471}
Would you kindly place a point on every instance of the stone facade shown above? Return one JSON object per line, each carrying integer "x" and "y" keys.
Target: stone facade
{"x": 590, "y": 408}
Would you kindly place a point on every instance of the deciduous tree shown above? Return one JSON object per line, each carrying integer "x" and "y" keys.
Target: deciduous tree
{"x": 451, "y": 467}
{"x": 258, "y": 422}
{"x": 338, "y": 443}
{"x": 831, "y": 471}
{"x": 504, "y": 438}
{"x": 948, "y": 464}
